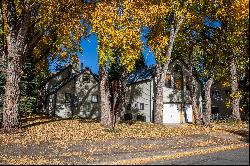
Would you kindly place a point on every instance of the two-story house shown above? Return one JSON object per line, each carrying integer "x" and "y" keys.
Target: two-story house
{"x": 71, "y": 92}
{"x": 177, "y": 106}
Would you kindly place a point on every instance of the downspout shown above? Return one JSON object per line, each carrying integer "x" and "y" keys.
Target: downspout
{"x": 182, "y": 98}
{"x": 55, "y": 100}
{"x": 150, "y": 112}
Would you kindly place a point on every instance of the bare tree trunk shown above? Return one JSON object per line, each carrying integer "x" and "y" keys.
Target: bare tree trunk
{"x": 159, "y": 94}
{"x": 193, "y": 93}
{"x": 17, "y": 46}
{"x": 194, "y": 100}
{"x": 235, "y": 90}
{"x": 207, "y": 88}
{"x": 195, "y": 107}
{"x": 12, "y": 92}
{"x": 105, "y": 107}
{"x": 162, "y": 69}
{"x": 120, "y": 109}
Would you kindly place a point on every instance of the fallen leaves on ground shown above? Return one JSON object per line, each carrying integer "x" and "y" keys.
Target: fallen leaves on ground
{"x": 64, "y": 133}
{"x": 68, "y": 131}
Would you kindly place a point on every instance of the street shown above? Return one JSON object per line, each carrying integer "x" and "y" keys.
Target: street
{"x": 229, "y": 157}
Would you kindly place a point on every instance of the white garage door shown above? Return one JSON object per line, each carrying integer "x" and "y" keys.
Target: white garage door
{"x": 189, "y": 113}
{"x": 171, "y": 114}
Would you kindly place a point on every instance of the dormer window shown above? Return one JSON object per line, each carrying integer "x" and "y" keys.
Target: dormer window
{"x": 86, "y": 78}
{"x": 168, "y": 81}
{"x": 141, "y": 106}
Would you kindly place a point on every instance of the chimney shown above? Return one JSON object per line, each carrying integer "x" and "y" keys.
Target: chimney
{"x": 82, "y": 66}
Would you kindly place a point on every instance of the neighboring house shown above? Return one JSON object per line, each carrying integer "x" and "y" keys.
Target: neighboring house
{"x": 71, "y": 92}
{"x": 177, "y": 107}
{"x": 220, "y": 96}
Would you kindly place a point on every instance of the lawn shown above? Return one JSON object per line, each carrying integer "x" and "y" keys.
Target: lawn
{"x": 42, "y": 137}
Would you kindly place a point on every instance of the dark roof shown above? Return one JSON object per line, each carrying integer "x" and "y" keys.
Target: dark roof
{"x": 141, "y": 75}
{"x": 149, "y": 72}
{"x": 64, "y": 82}
{"x": 54, "y": 75}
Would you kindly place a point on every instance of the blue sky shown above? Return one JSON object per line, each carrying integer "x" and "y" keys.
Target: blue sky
{"x": 89, "y": 57}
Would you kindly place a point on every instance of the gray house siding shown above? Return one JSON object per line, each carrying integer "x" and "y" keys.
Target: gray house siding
{"x": 64, "y": 108}
{"x": 85, "y": 90}
{"x": 139, "y": 98}
{"x": 176, "y": 100}
{"x": 70, "y": 94}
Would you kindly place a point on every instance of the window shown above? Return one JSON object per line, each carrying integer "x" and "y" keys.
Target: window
{"x": 94, "y": 99}
{"x": 86, "y": 78}
{"x": 168, "y": 81}
{"x": 177, "y": 83}
{"x": 58, "y": 77}
{"x": 141, "y": 106}
{"x": 128, "y": 106}
{"x": 67, "y": 97}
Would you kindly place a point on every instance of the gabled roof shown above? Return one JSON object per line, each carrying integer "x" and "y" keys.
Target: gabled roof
{"x": 65, "y": 81}
{"x": 53, "y": 75}
{"x": 141, "y": 75}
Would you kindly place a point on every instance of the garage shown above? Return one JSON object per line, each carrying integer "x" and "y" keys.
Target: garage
{"x": 171, "y": 113}
{"x": 189, "y": 113}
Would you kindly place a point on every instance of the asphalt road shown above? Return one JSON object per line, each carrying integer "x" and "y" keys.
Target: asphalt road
{"x": 229, "y": 157}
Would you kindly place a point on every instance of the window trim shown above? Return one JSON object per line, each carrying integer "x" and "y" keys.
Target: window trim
{"x": 178, "y": 75}
{"x": 180, "y": 80}
{"x": 141, "y": 106}
{"x": 228, "y": 92}
{"x": 70, "y": 98}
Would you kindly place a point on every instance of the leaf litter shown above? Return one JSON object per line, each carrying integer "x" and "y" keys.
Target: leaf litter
{"x": 64, "y": 133}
